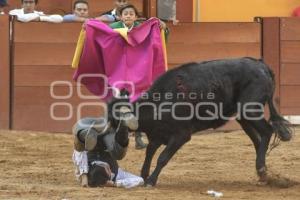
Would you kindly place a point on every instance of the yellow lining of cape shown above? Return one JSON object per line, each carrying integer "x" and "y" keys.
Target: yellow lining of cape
{"x": 164, "y": 46}
{"x": 79, "y": 49}
{"x": 123, "y": 32}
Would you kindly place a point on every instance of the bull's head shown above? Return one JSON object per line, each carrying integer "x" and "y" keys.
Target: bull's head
{"x": 120, "y": 108}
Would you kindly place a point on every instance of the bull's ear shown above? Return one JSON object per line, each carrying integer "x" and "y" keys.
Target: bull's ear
{"x": 124, "y": 93}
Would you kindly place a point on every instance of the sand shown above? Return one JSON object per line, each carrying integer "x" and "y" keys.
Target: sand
{"x": 37, "y": 165}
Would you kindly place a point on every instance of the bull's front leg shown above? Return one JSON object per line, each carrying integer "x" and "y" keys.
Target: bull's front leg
{"x": 174, "y": 144}
{"x": 150, "y": 151}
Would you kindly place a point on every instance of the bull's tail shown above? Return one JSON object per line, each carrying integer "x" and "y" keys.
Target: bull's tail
{"x": 282, "y": 128}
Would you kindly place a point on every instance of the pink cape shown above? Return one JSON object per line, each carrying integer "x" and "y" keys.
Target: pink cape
{"x": 139, "y": 60}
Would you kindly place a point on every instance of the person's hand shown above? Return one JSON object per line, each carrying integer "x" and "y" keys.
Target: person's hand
{"x": 175, "y": 22}
{"x": 118, "y": 18}
{"x": 162, "y": 25}
{"x": 84, "y": 24}
{"x": 86, "y": 20}
{"x": 110, "y": 184}
{"x": 106, "y": 18}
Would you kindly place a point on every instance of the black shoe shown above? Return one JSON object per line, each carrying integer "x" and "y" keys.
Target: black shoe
{"x": 91, "y": 139}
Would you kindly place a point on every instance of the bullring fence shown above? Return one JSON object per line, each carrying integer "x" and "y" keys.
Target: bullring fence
{"x": 37, "y": 91}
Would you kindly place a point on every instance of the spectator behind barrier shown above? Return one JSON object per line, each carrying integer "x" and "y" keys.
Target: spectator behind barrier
{"x": 129, "y": 18}
{"x": 166, "y": 10}
{"x": 3, "y": 3}
{"x": 80, "y": 12}
{"x": 28, "y": 13}
{"x": 112, "y": 15}
{"x": 296, "y": 12}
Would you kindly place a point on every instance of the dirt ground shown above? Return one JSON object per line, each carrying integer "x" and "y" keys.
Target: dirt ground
{"x": 38, "y": 165}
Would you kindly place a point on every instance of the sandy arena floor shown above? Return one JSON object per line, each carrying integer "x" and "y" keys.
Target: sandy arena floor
{"x": 38, "y": 166}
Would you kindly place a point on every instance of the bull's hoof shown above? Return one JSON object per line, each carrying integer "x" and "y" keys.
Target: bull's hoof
{"x": 262, "y": 181}
{"x": 149, "y": 183}
{"x": 148, "y": 186}
{"x": 263, "y": 178}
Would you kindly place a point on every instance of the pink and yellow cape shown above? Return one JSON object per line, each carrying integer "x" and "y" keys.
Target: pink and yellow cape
{"x": 138, "y": 57}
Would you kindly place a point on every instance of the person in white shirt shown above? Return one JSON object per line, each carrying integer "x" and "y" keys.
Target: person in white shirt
{"x": 28, "y": 13}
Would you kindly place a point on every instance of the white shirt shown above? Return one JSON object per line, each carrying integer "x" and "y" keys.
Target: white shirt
{"x": 36, "y": 14}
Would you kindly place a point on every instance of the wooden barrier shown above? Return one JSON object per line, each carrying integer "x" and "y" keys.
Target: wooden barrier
{"x": 43, "y": 53}
{"x": 290, "y": 66}
{"x": 184, "y": 10}
{"x": 4, "y": 73}
{"x": 150, "y": 8}
{"x": 42, "y": 56}
{"x": 271, "y": 50}
{"x": 206, "y": 41}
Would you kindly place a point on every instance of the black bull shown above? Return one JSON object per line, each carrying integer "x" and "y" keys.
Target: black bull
{"x": 199, "y": 96}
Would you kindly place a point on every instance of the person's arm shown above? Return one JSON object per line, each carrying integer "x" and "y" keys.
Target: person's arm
{"x": 106, "y": 18}
{"x": 51, "y": 18}
{"x": 69, "y": 18}
{"x": 162, "y": 25}
{"x": 74, "y": 18}
{"x": 25, "y": 17}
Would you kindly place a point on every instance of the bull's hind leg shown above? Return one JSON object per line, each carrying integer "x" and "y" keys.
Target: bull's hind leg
{"x": 265, "y": 130}
{"x": 252, "y": 133}
{"x": 256, "y": 139}
{"x": 253, "y": 99}
{"x": 150, "y": 151}
{"x": 173, "y": 145}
